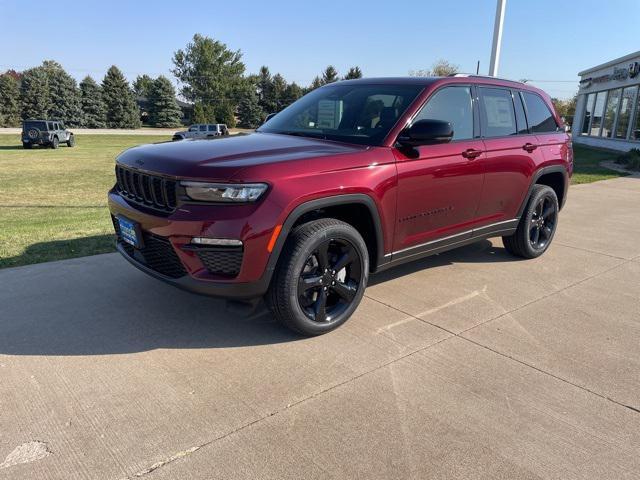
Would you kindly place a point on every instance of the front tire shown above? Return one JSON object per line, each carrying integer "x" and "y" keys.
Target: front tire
{"x": 537, "y": 226}
{"x": 55, "y": 143}
{"x": 71, "y": 142}
{"x": 320, "y": 278}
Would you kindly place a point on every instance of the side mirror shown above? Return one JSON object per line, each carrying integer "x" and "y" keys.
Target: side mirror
{"x": 269, "y": 117}
{"x": 426, "y": 132}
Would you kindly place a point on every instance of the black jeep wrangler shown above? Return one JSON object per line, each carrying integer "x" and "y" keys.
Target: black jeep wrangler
{"x": 49, "y": 133}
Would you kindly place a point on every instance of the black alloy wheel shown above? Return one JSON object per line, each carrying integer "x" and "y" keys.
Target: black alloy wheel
{"x": 320, "y": 278}
{"x": 537, "y": 225}
{"x": 329, "y": 280}
{"x": 543, "y": 222}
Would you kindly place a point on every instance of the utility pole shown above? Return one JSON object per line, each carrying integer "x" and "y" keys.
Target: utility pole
{"x": 497, "y": 38}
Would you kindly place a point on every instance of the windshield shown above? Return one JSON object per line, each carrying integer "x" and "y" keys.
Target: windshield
{"x": 356, "y": 113}
{"x": 38, "y": 125}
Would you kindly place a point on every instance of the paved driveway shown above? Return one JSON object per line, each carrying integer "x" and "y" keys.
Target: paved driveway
{"x": 470, "y": 364}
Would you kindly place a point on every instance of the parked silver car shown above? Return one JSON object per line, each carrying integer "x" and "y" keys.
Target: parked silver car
{"x": 203, "y": 130}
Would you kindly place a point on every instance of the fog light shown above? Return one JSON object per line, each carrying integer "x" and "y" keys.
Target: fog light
{"x": 218, "y": 242}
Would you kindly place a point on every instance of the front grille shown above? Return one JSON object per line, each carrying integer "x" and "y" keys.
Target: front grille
{"x": 221, "y": 261}
{"x": 156, "y": 253}
{"x": 151, "y": 191}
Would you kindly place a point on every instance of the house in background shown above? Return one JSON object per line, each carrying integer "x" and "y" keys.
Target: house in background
{"x": 186, "y": 108}
{"x": 608, "y": 111}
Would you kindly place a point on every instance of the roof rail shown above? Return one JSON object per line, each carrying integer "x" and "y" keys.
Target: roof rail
{"x": 473, "y": 75}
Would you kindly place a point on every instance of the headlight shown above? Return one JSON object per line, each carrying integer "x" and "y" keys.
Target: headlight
{"x": 224, "y": 192}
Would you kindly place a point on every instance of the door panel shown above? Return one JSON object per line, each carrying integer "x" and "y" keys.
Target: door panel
{"x": 511, "y": 154}
{"x": 439, "y": 186}
{"x": 438, "y": 192}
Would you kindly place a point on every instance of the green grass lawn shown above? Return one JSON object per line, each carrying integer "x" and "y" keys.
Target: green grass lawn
{"x": 587, "y": 169}
{"x": 53, "y": 202}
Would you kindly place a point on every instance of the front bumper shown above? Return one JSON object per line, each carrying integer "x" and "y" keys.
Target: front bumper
{"x": 240, "y": 291}
{"x": 248, "y": 223}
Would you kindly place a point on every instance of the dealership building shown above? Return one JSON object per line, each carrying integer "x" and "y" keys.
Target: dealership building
{"x": 607, "y": 111}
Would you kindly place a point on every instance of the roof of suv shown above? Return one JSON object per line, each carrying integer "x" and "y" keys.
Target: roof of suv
{"x": 429, "y": 80}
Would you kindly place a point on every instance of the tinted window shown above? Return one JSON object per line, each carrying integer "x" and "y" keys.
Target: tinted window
{"x": 610, "y": 112}
{"x": 203, "y": 128}
{"x": 538, "y": 114}
{"x": 588, "y": 114}
{"x": 498, "y": 116}
{"x": 628, "y": 95}
{"x": 521, "y": 119}
{"x": 453, "y": 105}
{"x": 355, "y": 113}
{"x": 213, "y": 128}
{"x": 38, "y": 125}
{"x": 598, "y": 111}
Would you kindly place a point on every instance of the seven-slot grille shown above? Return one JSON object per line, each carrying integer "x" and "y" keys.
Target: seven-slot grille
{"x": 152, "y": 191}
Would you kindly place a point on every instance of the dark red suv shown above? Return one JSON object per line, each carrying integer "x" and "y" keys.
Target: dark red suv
{"x": 355, "y": 177}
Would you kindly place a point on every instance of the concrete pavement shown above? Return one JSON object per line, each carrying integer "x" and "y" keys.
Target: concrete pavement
{"x": 470, "y": 364}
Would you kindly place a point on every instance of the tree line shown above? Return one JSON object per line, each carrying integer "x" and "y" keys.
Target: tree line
{"x": 211, "y": 77}
{"x": 48, "y": 91}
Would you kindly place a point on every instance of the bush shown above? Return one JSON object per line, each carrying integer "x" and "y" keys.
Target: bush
{"x": 630, "y": 159}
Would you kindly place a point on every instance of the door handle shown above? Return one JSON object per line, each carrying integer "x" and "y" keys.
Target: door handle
{"x": 529, "y": 147}
{"x": 471, "y": 153}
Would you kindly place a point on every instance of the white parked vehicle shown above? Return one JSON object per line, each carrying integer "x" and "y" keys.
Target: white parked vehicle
{"x": 203, "y": 130}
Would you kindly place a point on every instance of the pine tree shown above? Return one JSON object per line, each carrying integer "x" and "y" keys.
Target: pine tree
{"x": 250, "y": 113}
{"x": 94, "y": 113}
{"x": 292, "y": 93}
{"x": 142, "y": 85}
{"x": 163, "y": 108}
{"x": 122, "y": 111}
{"x": 317, "y": 83}
{"x": 353, "y": 73}
{"x": 9, "y": 101}
{"x": 279, "y": 86}
{"x": 35, "y": 97}
{"x": 264, "y": 85}
{"x": 329, "y": 75}
{"x": 65, "y": 96}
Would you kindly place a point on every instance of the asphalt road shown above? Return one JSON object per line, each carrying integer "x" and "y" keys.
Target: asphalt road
{"x": 471, "y": 364}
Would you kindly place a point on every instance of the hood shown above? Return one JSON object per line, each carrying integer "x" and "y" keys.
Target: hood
{"x": 221, "y": 158}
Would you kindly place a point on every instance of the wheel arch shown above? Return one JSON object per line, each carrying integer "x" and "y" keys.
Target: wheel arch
{"x": 554, "y": 176}
{"x": 359, "y": 210}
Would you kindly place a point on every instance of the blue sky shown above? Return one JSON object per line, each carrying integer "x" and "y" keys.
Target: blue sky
{"x": 543, "y": 39}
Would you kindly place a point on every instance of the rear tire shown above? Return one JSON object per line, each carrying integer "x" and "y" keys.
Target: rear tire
{"x": 55, "y": 143}
{"x": 71, "y": 142}
{"x": 26, "y": 145}
{"x": 320, "y": 278}
{"x": 537, "y": 225}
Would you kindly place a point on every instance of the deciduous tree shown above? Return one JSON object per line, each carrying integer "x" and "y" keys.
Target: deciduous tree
{"x": 441, "y": 68}
{"x": 211, "y": 74}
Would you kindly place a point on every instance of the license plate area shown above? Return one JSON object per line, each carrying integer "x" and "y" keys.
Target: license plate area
{"x": 130, "y": 231}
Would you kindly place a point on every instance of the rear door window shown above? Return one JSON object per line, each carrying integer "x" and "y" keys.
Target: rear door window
{"x": 453, "y": 105}
{"x": 203, "y": 128}
{"x": 213, "y": 128}
{"x": 521, "y": 119}
{"x": 497, "y": 113}
{"x": 540, "y": 118}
